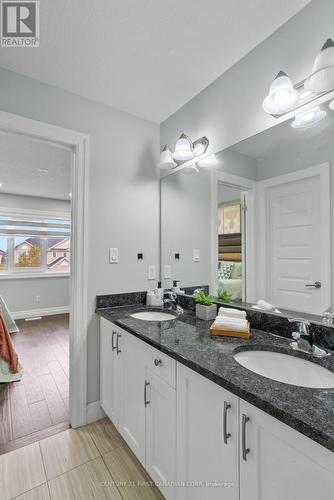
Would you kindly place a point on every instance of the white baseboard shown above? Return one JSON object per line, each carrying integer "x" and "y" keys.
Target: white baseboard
{"x": 94, "y": 412}
{"x": 49, "y": 311}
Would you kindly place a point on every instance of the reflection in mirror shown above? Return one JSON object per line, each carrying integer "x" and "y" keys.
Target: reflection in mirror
{"x": 257, "y": 224}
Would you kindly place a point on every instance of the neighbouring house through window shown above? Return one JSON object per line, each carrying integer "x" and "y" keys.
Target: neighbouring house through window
{"x": 34, "y": 243}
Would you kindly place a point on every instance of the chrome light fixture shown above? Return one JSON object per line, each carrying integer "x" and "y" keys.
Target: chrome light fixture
{"x": 322, "y": 77}
{"x": 166, "y": 159}
{"x": 282, "y": 95}
{"x": 184, "y": 149}
{"x": 308, "y": 118}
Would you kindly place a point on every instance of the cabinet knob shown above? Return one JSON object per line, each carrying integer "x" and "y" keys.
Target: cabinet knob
{"x": 158, "y": 362}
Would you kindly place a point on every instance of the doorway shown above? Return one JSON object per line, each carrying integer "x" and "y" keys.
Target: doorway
{"x": 78, "y": 145}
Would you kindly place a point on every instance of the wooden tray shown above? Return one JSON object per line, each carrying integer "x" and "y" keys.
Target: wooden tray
{"x": 223, "y": 332}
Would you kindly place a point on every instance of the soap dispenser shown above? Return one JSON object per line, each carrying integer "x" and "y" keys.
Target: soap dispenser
{"x": 176, "y": 288}
{"x": 159, "y": 293}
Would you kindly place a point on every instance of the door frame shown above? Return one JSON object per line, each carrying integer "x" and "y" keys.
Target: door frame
{"x": 78, "y": 143}
{"x": 248, "y": 187}
{"x": 262, "y": 238}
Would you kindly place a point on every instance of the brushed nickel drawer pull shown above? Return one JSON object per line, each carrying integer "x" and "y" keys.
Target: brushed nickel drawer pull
{"x": 158, "y": 362}
{"x": 113, "y": 346}
{"x": 245, "y": 450}
{"x": 227, "y": 435}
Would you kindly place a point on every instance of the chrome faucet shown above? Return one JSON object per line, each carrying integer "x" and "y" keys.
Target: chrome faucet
{"x": 172, "y": 301}
{"x": 304, "y": 338}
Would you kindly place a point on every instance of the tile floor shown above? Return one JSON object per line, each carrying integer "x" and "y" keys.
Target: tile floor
{"x": 92, "y": 462}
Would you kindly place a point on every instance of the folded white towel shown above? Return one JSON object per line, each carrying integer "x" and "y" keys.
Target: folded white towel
{"x": 265, "y": 306}
{"x": 232, "y": 313}
{"x": 237, "y": 324}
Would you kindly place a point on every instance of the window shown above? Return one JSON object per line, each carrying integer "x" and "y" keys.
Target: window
{"x": 34, "y": 244}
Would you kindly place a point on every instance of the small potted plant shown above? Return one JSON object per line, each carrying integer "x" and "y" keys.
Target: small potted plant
{"x": 205, "y": 308}
{"x": 224, "y": 296}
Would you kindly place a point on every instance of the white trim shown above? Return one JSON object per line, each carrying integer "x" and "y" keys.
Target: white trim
{"x": 48, "y": 311}
{"x": 79, "y": 144}
{"x": 94, "y": 412}
{"x": 243, "y": 184}
{"x": 323, "y": 171}
{"x": 26, "y": 275}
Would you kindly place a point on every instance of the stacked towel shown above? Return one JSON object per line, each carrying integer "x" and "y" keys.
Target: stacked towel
{"x": 231, "y": 313}
{"x": 265, "y": 306}
{"x": 233, "y": 324}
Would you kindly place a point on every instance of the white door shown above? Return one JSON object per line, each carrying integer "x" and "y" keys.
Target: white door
{"x": 281, "y": 463}
{"x": 132, "y": 414}
{"x": 298, "y": 247}
{"x": 161, "y": 434}
{"x": 109, "y": 370}
{"x": 207, "y": 439}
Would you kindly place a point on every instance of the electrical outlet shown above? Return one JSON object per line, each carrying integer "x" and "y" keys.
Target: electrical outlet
{"x": 113, "y": 255}
{"x": 38, "y": 299}
{"x": 151, "y": 272}
{"x": 196, "y": 255}
{"x": 167, "y": 271}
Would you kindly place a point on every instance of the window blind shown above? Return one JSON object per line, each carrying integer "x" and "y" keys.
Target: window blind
{"x": 20, "y": 226}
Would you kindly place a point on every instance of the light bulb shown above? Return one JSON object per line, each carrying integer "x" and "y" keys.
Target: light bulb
{"x": 308, "y": 118}
{"x": 282, "y": 95}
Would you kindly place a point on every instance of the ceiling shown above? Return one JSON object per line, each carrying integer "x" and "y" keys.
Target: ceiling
{"x": 146, "y": 57}
{"x": 34, "y": 168}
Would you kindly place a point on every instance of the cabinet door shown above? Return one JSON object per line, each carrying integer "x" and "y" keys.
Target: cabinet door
{"x": 132, "y": 417}
{"x": 161, "y": 434}
{"x": 281, "y": 463}
{"x": 206, "y": 464}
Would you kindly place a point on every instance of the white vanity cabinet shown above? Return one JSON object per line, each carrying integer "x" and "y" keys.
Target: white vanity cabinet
{"x": 207, "y": 439}
{"x": 138, "y": 394}
{"x": 281, "y": 463}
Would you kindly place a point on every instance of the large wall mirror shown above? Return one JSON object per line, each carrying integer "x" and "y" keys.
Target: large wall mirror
{"x": 257, "y": 223}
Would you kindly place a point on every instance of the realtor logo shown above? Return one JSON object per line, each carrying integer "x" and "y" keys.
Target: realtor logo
{"x": 20, "y": 23}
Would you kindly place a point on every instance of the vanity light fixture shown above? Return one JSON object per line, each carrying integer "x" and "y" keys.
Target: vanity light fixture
{"x": 184, "y": 149}
{"x": 331, "y": 105}
{"x": 282, "y": 95}
{"x": 209, "y": 161}
{"x": 322, "y": 77}
{"x": 166, "y": 159}
{"x": 309, "y": 118}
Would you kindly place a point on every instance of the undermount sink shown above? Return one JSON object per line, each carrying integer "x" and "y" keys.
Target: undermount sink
{"x": 287, "y": 369}
{"x": 153, "y": 316}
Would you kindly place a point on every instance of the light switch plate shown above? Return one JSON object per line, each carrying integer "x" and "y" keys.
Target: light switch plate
{"x": 113, "y": 255}
{"x": 151, "y": 272}
{"x": 196, "y": 255}
{"x": 167, "y": 271}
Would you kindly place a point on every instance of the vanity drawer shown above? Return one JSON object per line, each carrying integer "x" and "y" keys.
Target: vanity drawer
{"x": 162, "y": 365}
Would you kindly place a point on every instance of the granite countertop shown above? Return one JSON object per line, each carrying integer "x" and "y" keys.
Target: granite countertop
{"x": 188, "y": 340}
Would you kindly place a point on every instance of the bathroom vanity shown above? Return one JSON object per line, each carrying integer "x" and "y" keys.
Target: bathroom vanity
{"x": 202, "y": 425}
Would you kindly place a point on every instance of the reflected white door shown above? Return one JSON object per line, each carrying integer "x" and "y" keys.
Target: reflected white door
{"x": 298, "y": 249}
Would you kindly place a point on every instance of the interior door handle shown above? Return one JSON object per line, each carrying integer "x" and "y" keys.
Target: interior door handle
{"x": 245, "y": 450}
{"x": 316, "y": 284}
{"x": 227, "y": 435}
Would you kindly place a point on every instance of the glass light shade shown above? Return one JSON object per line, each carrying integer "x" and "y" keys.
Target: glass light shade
{"x": 190, "y": 170}
{"x": 282, "y": 96}
{"x": 331, "y": 105}
{"x": 166, "y": 161}
{"x": 183, "y": 149}
{"x": 322, "y": 77}
{"x": 209, "y": 161}
{"x": 308, "y": 118}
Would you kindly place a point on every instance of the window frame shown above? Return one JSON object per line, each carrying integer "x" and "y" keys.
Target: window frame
{"x": 13, "y": 272}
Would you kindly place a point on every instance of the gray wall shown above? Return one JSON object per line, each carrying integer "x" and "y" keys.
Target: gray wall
{"x": 20, "y": 294}
{"x": 123, "y": 189}
{"x": 230, "y": 109}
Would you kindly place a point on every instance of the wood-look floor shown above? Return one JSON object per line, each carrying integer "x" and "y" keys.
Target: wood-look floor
{"x": 90, "y": 463}
{"x": 37, "y": 406}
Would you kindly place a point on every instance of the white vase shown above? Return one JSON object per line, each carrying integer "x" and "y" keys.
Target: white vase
{"x": 206, "y": 312}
